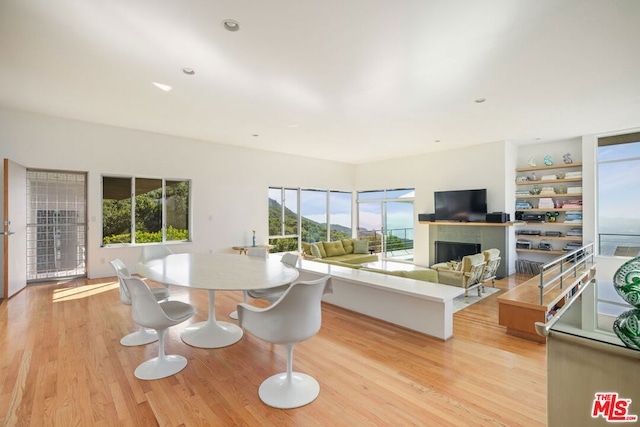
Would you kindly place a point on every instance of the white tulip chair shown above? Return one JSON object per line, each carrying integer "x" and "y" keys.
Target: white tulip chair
{"x": 150, "y": 313}
{"x": 143, "y": 335}
{"x": 295, "y": 317}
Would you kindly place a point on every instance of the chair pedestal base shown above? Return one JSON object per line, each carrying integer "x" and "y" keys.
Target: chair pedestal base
{"x": 160, "y": 367}
{"x": 277, "y": 392}
{"x": 140, "y": 337}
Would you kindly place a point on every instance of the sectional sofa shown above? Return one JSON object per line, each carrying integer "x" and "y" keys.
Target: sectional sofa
{"x": 347, "y": 251}
{"x": 352, "y": 253}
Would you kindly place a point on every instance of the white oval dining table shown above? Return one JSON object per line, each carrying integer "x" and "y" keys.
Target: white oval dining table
{"x": 223, "y": 272}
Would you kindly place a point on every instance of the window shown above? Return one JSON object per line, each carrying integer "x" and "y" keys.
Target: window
{"x": 305, "y": 215}
{"x": 385, "y": 218}
{"x": 283, "y": 219}
{"x": 144, "y": 210}
{"x": 619, "y": 195}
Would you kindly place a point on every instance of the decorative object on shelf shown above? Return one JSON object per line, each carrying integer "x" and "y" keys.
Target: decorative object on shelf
{"x": 522, "y": 179}
{"x": 532, "y": 162}
{"x": 626, "y": 282}
{"x": 254, "y": 239}
{"x": 534, "y": 177}
{"x": 561, "y": 189}
{"x": 567, "y": 158}
{"x": 536, "y": 190}
{"x": 626, "y": 328}
{"x": 547, "y": 160}
{"x": 551, "y": 216}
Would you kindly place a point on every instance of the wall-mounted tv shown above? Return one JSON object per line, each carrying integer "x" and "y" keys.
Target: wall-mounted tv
{"x": 461, "y": 205}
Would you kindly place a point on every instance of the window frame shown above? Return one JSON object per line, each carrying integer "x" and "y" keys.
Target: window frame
{"x": 132, "y": 219}
{"x": 299, "y": 207}
{"x": 602, "y": 142}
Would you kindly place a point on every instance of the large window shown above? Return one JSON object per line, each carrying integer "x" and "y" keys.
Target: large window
{"x": 619, "y": 195}
{"x": 386, "y": 218}
{"x": 144, "y": 210}
{"x": 305, "y": 215}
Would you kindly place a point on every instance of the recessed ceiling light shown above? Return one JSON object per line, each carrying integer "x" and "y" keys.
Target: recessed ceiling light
{"x": 437, "y": 140}
{"x": 231, "y": 25}
{"x": 480, "y": 100}
{"x": 188, "y": 71}
{"x": 162, "y": 86}
{"x": 255, "y": 134}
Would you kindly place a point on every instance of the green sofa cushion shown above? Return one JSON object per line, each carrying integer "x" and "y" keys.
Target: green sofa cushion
{"x": 317, "y": 249}
{"x": 334, "y": 248}
{"x": 306, "y": 248}
{"x": 360, "y": 246}
{"x": 348, "y": 246}
{"x": 339, "y": 263}
{"x": 356, "y": 258}
{"x": 424, "y": 275}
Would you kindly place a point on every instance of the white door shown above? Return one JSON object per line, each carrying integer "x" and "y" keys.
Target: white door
{"x": 15, "y": 228}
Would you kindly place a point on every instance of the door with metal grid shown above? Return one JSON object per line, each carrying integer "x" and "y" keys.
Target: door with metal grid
{"x": 56, "y": 225}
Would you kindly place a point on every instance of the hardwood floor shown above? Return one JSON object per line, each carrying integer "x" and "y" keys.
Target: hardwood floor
{"x": 61, "y": 364}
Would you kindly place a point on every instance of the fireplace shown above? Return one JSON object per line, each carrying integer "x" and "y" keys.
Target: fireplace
{"x": 454, "y": 251}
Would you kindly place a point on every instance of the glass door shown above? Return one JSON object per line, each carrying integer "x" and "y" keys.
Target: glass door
{"x": 398, "y": 230}
{"x": 386, "y": 218}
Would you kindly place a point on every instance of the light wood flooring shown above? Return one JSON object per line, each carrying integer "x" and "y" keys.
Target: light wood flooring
{"x": 61, "y": 364}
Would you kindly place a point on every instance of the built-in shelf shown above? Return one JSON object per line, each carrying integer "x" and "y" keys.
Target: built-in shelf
{"x": 543, "y": 237}
{"x": 537, "y": 196}
{"x": 473, "y": 224}
{"x": 549, "y": 209}
{"x": 556, "y": 166}
{"x": 548, "y": 181}
{"x": 550, "y": 224}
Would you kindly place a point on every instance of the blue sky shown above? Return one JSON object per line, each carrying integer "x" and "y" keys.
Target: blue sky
{"x": 619, "y": 186}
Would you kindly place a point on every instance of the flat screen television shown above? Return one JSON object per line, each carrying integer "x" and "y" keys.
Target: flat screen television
{"x": 461, "y": 205}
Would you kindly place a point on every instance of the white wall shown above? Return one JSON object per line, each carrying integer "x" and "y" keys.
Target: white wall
{"x": 480, "y": 166}
{"x": 229, "y": 184}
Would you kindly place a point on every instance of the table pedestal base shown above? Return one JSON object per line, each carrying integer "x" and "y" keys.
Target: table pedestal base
{"x": 211, "y": 333}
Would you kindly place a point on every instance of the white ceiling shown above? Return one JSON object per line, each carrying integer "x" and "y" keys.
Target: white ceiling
{"x": 346, "y": 80}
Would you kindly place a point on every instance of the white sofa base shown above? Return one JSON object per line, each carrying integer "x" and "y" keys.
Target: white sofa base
{"x": 422, "y": 306}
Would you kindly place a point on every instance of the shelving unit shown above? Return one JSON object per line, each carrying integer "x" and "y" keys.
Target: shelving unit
{"x": 561, "y": 224}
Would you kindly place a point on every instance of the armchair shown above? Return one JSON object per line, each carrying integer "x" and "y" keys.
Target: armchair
{"x": 469, "y": 276}
{"x": 492, "y": 260}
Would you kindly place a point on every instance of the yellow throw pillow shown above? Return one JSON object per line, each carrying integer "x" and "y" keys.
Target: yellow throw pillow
{"x": 334, "y": 248}
{"x": 306, "y": 248}
{"x": 323, "y": 252}
{"x": 348, "y": 246}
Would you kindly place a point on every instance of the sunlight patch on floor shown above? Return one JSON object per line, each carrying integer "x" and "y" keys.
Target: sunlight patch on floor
{"x": 78, "y": 292}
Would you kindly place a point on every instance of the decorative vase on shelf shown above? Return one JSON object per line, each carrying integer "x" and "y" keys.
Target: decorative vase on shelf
{"x": 626, "y": 282}
{"x": 626, "y": 328}
{"x": 254, "y": 239}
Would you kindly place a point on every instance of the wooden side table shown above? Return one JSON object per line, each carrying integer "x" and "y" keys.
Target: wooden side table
{"x": 243, "y": 249}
